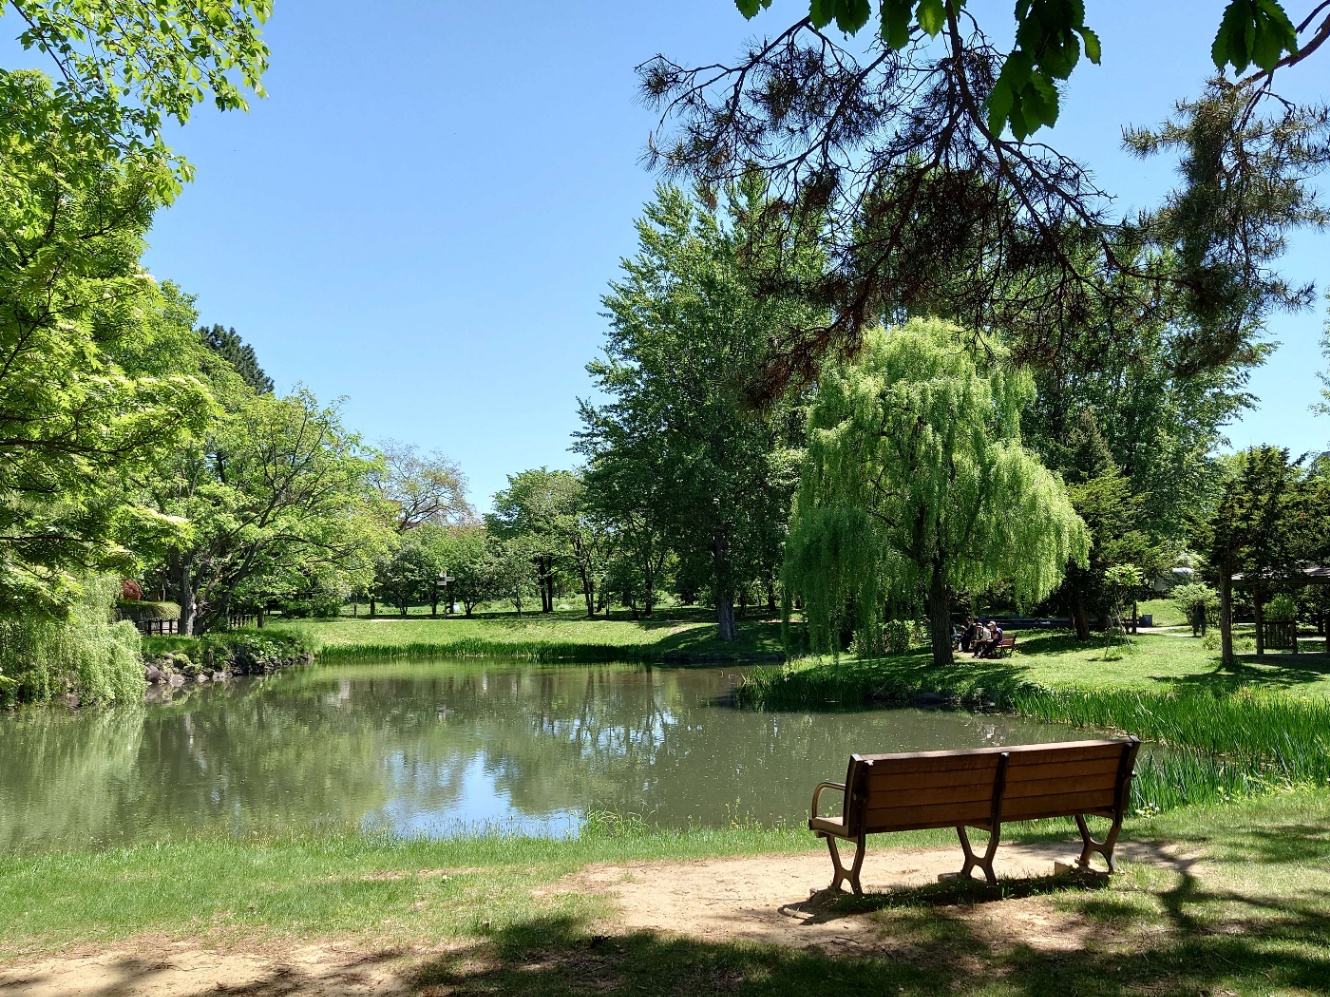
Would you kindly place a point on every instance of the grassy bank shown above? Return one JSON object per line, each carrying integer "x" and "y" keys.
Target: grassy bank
{"x": 679, "y": 635}
{"x": 1247, "y": 911}
{"x": 1228, "y": 733}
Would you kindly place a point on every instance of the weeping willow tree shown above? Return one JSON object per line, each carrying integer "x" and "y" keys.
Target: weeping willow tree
{"x": 916, "y": 487}
{"x": 84, "y": 653}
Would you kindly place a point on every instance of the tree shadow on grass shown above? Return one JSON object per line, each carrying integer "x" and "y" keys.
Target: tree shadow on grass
{"x": 1274, "y": 671}
{"x": 923, "y": 943}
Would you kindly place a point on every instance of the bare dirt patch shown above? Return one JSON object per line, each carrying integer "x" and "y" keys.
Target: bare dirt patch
{"x": 183, "y": 969}
{"x": 781, "y": 900}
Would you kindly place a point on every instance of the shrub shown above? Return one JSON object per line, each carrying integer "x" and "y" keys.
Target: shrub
{"x": 85, "y": 655}
{"x": 1283, "y": 608}
{"x": 1199, "y": 602}
{"x": 139, "y": 612}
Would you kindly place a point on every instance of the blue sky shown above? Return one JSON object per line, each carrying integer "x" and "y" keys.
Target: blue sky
{"x": 424, "y": 213}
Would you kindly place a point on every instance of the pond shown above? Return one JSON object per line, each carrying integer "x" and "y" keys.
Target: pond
{"x": 440, "y": 748}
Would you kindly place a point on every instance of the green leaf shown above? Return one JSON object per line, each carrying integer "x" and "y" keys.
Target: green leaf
{"x": 821, "y": 12}
{"x": 896, "y": 23}
{"x": 1091, "y": 44}
{"x": 1045, "y": 98}
{"x": 1017, "y": 118}
{"x": 853, "y": 15}
{"x": 999, "y": 106}
{"x": 749, "y": 8}
{"x": 931, "y": 16}
{"x": 1268, "y": 49}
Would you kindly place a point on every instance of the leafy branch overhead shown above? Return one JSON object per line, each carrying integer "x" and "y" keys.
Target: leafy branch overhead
{"x": 1051, "y": 36}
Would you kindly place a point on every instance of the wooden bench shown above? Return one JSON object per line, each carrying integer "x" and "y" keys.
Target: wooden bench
{"x": 1006, "y": 647}
{"x": 980, "y": 788}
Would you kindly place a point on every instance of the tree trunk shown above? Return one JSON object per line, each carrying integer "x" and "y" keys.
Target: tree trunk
{"x": 373, "y": 604}
{"x": 184, "y": 590}
{"x": 589, "y": 594}
{"x": 723, "y": 586}
{"x": 725, "y": 618}
{"x": 1080, "y": 619}
{"x": 547, "y": 584}
{"x": 939, "y": 617}
{"x": 1226, "y": 619}
{"x": 1258, "y": 598}
{"x": 259, "y": 617}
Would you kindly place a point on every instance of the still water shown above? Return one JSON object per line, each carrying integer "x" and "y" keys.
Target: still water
{"x": 438, "y": 748}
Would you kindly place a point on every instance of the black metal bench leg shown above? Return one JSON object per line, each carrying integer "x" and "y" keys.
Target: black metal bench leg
{"x": 840, "y": 874}
{"x": 1090, "y": 846}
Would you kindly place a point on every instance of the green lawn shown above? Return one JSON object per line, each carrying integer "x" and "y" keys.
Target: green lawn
{"x": 682, "y": 634}
{"x": 1058, "y": 661}
{"x": 1235, "y": 900}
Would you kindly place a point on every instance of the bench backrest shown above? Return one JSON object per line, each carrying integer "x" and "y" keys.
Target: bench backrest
{"x": 905, "y": 792}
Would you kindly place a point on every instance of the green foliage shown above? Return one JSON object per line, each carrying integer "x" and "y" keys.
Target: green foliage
{"x": 84, "y": 656}
{"x": 127, "y": 67}
{"x": 543, "y": 514}
{"x": 1253, "y": 31}
{"x": 1283, "y": 608}
{"x": 916, "y": 485}
{"x": 676, "y": 459}
{"x": 1199, "y": 603}
{"x": 228, "y": 345}
{"x": 1050, "y": 36}
{"x": 141, "y": 610}
{"x": 276, "y": 493}
{"x": 99, "y": 382}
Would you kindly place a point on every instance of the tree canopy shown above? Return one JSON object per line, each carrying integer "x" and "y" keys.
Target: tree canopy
{"x": 676, "y": 452}
{"x": 917, "y": 486}
{"x": 127, "y": 67}
{"x": 886, "y": 150}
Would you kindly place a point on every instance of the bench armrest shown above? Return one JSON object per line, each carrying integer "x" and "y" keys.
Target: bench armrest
{"x": 817, "y": 793}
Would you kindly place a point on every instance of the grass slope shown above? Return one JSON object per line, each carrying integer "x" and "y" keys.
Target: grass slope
{"x": 1245, "y": 910}
{"x": 675, "y": 635}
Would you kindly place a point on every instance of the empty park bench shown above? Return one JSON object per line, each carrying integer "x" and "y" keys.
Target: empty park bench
{"x": 980, "y": 788}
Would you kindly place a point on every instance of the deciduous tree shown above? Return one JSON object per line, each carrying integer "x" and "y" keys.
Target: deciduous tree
{"x": 917, "y": 486}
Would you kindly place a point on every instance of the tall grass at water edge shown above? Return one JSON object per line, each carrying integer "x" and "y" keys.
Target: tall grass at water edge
{"x": 1213, "y": 745}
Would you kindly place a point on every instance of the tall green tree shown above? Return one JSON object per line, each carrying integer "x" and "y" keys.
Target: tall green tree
{"x": 1264, "y": 527}
{"x": 539, "y": 512}
{"x": 917, "y": 487}
{"x": 275, "y": 490}
{"x": 98, "y": 370}
{"x": 228, "y": 345}
{"x": 677, "y": 452}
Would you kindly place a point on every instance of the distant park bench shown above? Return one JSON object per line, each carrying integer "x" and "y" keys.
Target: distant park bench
{"x": 980, "y": 788}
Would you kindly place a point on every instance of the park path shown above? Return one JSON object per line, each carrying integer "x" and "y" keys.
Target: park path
{"x": 772, "y": 899}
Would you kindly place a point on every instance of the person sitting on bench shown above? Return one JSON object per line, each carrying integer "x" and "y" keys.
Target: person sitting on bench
{"x": 989, "y": 648}
{"x": 967, "y": 635}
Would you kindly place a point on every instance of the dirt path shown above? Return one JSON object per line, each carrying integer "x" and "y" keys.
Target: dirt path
{"x": 772, "y": 899}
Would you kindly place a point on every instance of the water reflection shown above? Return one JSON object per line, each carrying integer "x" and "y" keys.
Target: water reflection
{"x": 436, "y": 747}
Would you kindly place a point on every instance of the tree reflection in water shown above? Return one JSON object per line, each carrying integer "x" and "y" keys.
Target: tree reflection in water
{"x": 439, "y": 747}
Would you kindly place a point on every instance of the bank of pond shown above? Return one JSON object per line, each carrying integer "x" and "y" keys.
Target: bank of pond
{"x": 441, "y": 748}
